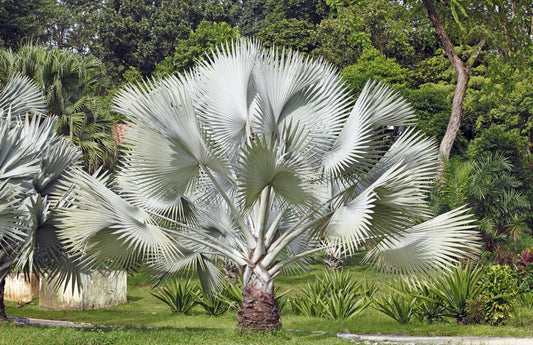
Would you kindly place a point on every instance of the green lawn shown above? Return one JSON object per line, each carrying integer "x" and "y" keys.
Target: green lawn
{"x": 145, "y": 320}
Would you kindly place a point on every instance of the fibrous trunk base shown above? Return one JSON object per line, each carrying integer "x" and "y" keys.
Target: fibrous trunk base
{"x": 259, "y": 312}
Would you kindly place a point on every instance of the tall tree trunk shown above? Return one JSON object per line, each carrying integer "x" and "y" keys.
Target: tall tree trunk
{"x": 259, "y": 311}
{"x": 462, "y": 72}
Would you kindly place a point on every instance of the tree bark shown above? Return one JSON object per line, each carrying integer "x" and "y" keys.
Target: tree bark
{"x": 259, "y": 311}
{"x": 462, "y": 72}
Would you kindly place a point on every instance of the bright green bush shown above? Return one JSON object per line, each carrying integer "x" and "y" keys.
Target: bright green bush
{"x": 500, "y": 287}
{"x": 374, "y": 65}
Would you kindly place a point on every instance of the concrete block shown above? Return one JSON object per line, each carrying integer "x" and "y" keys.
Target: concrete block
{"x": 19, "y": 289}
{"x": 98, "y": 290}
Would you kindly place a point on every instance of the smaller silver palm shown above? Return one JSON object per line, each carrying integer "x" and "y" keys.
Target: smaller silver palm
{"x": 260, "y": 156}
{"x": 32, "y": 161}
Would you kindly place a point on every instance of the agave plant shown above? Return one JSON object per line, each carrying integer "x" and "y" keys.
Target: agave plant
{"x": 178, "y": 295}
{"x": 398, "y": 305}
{"x": 456, "y": 288}
{"x": 32, "y": 160}
{"x": 335, "y": 296}
{"x": 259, "y": 156}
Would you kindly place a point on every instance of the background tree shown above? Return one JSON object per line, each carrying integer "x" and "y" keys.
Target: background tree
{"x": 261, "y": 158}
{"x": 289, "y": 33}
{"x": 141, "y": 33}
{"x": 332, "y": 37}
{"x": 462, "y": 72}
{"x": 24, "y": 21}
{"x": 312, "y": 11}
{"x": 201, "y": 41}
{"x": 73, "y": 25}
{"x": 506, "y": 31}
{"x": 253, "y": 17}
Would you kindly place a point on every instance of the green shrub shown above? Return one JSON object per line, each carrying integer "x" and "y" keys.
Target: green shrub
{"x": 526, "y": 300}
{"x": 524, "y": 271}
{"x": 214, "y": 304}
{"x": 456, "y": 288}
{"x": 431, "y": 306}
{"x": 399, "y": 305}
{"x": 500, "y": 287}
{"x": 178, "y": 295}
{"x": 476, "y": 310}
{"x": 335, "y": 295}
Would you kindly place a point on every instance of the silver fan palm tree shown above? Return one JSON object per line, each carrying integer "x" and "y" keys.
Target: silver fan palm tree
{"x": 32, "y": 160}
{"x": 260, "y": 157}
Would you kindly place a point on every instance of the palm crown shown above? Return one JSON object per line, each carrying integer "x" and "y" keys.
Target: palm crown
{"x": 261, "y": 157}
{"x": 32, "y": 161}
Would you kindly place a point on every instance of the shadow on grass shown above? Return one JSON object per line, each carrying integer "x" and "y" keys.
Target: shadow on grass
{"x": 133, "y": 298}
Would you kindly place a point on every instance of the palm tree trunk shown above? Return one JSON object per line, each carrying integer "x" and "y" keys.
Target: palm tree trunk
{"x": 3, "y": 275}
{"x": 259, "y": 310}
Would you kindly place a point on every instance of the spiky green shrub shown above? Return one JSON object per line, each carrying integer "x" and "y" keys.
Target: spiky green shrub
{"x": 456, "y": 288}
{"x": 334, "y": 295}
{"x": 214, "y": 304}
{"x": 399, "y": 305}
{"x": 430, "y": 306}
{"x": 178, "y": 295}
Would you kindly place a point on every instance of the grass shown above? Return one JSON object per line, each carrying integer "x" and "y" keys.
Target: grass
{"x": 146, "y": 320}
{"x": 10, "y": 334}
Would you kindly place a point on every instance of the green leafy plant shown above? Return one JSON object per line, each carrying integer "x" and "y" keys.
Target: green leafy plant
{"x": 430, "y": 305}
{"x": 456, "y": 288}
{"x": 487, "y": 184}
{"x": 526, "y": 299}
{"x": 232, "y": 295}
{"x": 476, "y": 309}
{"x": 214, "y": 304}
{"x": 334, "y": 296}
{"x": 524, "y": 271}
{"x": 178, "y": 295}
{"x": 399, "y": 305}
{"x": 500, "y": 288}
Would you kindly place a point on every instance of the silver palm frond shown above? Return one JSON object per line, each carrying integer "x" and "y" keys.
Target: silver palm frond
{"x": 21, "y": 96}
{"x": 259, "y": 156}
